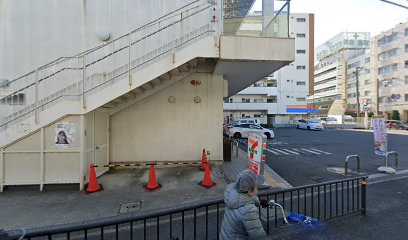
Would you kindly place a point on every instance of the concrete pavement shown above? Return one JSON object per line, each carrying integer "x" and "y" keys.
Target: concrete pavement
{"x": 307, "y": 157}
{"x": 386, "y": 218}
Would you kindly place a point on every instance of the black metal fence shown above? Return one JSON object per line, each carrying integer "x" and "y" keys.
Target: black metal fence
{"x": 202, "y": 220}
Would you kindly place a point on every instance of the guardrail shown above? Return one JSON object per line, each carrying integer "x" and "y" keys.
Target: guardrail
{"x": 203, "y": 219}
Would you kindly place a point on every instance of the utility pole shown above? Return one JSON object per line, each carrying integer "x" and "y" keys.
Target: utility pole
{"x": 358, "y": 91}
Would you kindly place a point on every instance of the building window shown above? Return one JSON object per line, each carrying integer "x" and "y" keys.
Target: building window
{"x": 367, "y": 82}
{"x": 257, "y": 115}
{"x": 301, "y": 83}
{"x": 300, "y": 19}
{"x": 301, "y": 99}
{"x": 366, "y": 93}
{"x": 406, "y": 31}
{"x": 243, "y": 115}
{"x": 387, "y": 39}
{"x": 406, "y": 64}
{"x": 300, "y": 51}
{"x": 287, "y": 96}
{"x": 406, "y": 47}
{"x": 388, "y": 54}
{"x": 230, "y": 100}
{"x": 15, "y": 99}
{"x": 300, "y": 35}
{"x": 388, "y": 69}
{"x": 246, "y": 100}
{"x": 406, "y": 97}
{"x": 301, "y": 67}
{"x": 367, "y": 60}
{"x": 354, "y": 64}
{"x": 406, "y": 80}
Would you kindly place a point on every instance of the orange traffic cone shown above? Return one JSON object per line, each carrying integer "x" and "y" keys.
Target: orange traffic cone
{"x": 204, "y": 161}
{"x": 93, "y": 185}
{"x": 152, "y": 185}
{"x": 207, "y": 182}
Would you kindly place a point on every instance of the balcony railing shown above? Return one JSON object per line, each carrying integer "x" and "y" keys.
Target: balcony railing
{"x": 267, "y": 18}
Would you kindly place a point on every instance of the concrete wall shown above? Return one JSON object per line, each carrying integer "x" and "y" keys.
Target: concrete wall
{"x": 35, "y": 32}
{"x": 37, "y": 159}
{"x": 156, "y": 130}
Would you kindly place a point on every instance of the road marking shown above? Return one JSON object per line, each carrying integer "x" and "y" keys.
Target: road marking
{"x": 290, "y": 151}
{"x": 317, "y": 150}
{"x": 269, "y": 150}
{"x": 281, "y": 151}
{"x": 304, "y": 149}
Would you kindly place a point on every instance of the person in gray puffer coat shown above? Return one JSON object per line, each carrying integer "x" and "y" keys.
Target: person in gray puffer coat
{"x": 241, "y": 217}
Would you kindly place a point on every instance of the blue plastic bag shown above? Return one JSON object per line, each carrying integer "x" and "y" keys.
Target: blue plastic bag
{"x": 301, "y": 219}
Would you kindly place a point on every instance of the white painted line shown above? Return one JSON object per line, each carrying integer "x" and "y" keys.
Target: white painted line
{"x": 298, "y": 150}
{"x": 317, "y": 150}
{"x": 304, "y": 149}
{"x": 287, "y": 150}
{"x": 269, "y": 150}
{"x": 281, "y": 151}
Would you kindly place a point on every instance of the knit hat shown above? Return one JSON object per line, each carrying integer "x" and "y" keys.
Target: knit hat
{"x": 246, "y": 180}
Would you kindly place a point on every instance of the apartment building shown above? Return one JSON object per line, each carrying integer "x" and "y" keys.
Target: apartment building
{"x": 281, "y": 96}
{"x": 391, "y": 70}
{"x": 331, "y": 88}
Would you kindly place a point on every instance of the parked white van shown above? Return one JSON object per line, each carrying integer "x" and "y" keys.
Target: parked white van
{"x": 254, "y": 121}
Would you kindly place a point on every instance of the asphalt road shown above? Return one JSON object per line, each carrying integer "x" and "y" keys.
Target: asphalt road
{"x": 306, "y": 157}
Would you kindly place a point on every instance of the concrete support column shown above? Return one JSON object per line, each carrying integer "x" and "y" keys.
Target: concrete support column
{"x": 1, "y": 169}
{"x": 82, "y": 153}
{"x": 42, "y": 165}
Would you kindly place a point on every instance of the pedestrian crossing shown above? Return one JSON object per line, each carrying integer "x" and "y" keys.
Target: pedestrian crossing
{"x": 286, "y": 151}
{"x": 297, "y": 151}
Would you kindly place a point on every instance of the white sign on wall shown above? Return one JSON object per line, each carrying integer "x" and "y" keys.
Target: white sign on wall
{"x": 380, "y": 136}
{"x": 64, "y": 134}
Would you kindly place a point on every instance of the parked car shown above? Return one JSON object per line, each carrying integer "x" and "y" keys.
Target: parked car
{"x": 243, "y": 130}
{"x": 254, "y": 121}
{"x": 327, "y": 120}
{"x": 309, "y": 125}
{"x": 396, "y": 124}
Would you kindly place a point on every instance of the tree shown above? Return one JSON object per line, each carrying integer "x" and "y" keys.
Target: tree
{"x": 395, "y": 115}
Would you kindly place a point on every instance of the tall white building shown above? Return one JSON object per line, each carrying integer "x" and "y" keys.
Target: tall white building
{"x": 280, "y": 97}
{"x": 332, "y": 74}
{"x": 391, "y": 70}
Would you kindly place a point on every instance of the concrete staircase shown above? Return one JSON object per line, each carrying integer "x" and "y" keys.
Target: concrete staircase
{"x": 111, "y": 76}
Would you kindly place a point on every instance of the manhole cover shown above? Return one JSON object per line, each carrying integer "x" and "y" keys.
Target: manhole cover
{"x": 130, "y": 207}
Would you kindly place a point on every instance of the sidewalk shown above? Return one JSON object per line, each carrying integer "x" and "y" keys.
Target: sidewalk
{"x": 231, "y": 169}
{"x": 386, "y": 218}
{"x": 25, "y": 207}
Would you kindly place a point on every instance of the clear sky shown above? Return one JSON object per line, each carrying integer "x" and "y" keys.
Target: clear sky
{"x": 334, "y": 16}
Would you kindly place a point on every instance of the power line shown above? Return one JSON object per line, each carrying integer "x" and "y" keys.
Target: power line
{"x": 394, "y": 3}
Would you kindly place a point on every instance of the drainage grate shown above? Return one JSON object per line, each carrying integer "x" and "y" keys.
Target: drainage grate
{"x": 130, "y": 207}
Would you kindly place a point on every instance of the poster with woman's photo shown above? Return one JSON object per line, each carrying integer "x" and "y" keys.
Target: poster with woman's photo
{"x": 64, "y": 134}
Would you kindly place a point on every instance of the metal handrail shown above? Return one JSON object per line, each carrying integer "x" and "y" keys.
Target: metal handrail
{"x": 155, "y": 213}
{"x": 346, "y": 163}
{"x": 79, "y": 55}
{"x": 206, "y": 7}
{"x": 396, "y": 159}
